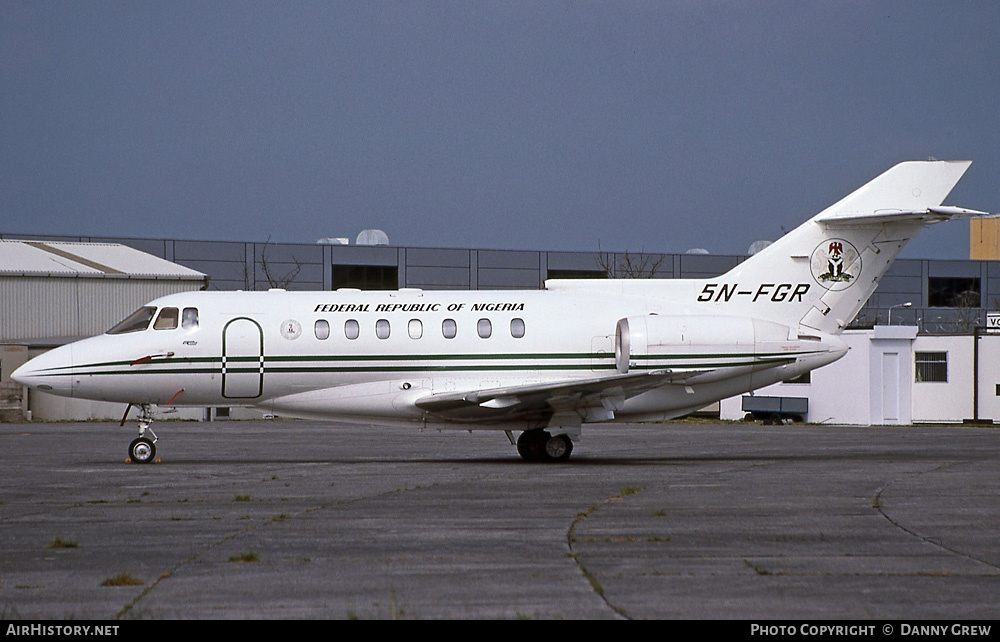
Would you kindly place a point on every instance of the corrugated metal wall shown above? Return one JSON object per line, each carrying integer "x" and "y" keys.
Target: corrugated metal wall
{"x": 33, "y": 309}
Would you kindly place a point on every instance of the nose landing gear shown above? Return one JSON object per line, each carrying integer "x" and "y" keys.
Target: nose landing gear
{"x": 142, "y": 450}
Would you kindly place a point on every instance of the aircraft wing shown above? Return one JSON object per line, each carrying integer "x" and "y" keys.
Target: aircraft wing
{"x": 579, "y": 394}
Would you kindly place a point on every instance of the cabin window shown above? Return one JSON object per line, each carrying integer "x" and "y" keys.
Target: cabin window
{"x": 322, "y": 329}
{"x": 351, "y": 329}
{"x": 135, "y": 322}
{"x": 484, "y": 328}
{"x": 517, "y": 328}
{"x": 415, "y": 328}
{"x": 167, "y": 319}
{"x": 382, "y": 329}
{"x": 189, "y": 318}
{"x": 449, "y": 328}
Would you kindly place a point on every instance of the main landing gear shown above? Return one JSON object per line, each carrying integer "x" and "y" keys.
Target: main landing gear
{"x": 540, "y": 445}
{"x": 142, "y": 450}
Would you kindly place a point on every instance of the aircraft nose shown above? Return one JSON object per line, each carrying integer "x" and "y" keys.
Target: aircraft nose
{"x": 50, "y": 372}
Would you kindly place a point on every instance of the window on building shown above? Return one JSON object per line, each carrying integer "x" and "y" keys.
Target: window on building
{"x": 931, "y": 366}
{"x": 517, "y": 328}
{"x": 576, "y": 274}
{"x": 382, "y": 329}
{"x": 953, "y": 292}
{"x": 366, "y": 277}
{"x": 351, "y": 329}
{"x": 322, "y": 329}
{"x": 484, "y": 328}
{"x": 415, "y": 328}
{"x": 449, "y": 328}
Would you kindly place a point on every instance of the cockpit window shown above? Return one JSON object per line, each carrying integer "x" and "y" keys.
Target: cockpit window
{"x": 167, "y": 319}
{"x": 189, "y": 319}
{"x": 135, "y": 322}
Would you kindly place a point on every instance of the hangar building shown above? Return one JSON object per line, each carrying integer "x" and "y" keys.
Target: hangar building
{"x": 53, "y": 292}
{"x": 943, "y": 301}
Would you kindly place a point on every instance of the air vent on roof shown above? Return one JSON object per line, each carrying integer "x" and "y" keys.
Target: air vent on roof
{"x": 372, "y": 237}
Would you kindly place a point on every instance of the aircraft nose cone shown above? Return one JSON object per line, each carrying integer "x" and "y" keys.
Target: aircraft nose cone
{"x": 50, "y": 372}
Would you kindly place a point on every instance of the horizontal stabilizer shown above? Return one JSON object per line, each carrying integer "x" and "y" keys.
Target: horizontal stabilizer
{"x": 926, "y": 216}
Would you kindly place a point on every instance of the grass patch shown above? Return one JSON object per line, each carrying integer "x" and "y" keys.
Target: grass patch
{"x": 62, "y": 543}
{"x": 248, "y": 556}
{"x": 122, "y": 579}
{"x": 759, "y": 570}
{"x": 241, "y": 498}
{"x": 594, "y": 584}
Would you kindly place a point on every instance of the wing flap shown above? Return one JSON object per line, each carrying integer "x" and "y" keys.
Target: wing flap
{"x": 534, "y": 398}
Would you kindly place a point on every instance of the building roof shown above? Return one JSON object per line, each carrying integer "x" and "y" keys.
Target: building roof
{"x": 87, "y": 260}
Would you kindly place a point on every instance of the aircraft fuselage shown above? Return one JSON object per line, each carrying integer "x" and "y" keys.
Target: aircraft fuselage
{"x": 356, "y": 355}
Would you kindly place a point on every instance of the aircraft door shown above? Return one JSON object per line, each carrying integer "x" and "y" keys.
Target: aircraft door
{"x": 242, "y": 359}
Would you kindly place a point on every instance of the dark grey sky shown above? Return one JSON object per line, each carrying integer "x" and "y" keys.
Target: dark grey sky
{"x": 656, "y": 126}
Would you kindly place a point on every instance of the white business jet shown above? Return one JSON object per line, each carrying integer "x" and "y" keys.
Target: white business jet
{"x": 541, "y": 362}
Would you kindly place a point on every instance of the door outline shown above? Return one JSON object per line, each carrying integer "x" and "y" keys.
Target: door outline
{"x": 242, "y": 382}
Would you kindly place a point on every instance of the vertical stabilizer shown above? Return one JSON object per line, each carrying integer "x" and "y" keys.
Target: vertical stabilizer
{"x": 822, "y": 273}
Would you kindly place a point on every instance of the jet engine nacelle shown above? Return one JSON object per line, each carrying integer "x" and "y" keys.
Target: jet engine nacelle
{"x": 659, "y": 341}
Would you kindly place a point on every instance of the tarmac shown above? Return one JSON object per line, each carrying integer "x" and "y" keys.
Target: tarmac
{"x": 294, "y": 519}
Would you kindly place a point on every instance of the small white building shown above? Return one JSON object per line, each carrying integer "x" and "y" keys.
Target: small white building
{"x": 893, "y": 376}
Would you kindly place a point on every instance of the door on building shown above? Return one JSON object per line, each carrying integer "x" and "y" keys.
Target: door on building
{"x": 890, "y": 387}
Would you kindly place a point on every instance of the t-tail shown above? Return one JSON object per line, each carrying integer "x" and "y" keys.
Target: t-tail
{"x": 822, "y": 273}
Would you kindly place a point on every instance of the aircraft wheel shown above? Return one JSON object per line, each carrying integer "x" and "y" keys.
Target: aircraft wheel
{"x": 141, "y": 450}
{"x": 558, "y": 448}
{"x": 529, "y": 445}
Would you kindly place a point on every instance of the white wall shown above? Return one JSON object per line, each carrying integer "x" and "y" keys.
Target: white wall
{"x": 935, "y": 401}
{"x": 989, "y": 377}
{"x": 838, "y": 393}
{"x": 858, "y": 388}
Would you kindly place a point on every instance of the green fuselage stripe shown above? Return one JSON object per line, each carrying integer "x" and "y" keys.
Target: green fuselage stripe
{"x": 287, "y": 364}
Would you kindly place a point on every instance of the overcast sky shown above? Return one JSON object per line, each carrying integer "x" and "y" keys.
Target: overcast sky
{"x": 656, "y": 126}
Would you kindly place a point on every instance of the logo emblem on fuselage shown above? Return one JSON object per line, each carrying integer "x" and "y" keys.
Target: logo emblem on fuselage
{"x": 835, "y": 264}
{"x": 291, "y": 329}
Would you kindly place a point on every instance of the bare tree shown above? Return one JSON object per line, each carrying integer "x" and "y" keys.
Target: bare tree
{"x": 629, "y": 266}
{"x": 275, "y": 279}
{"x": 967, "y": 305}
